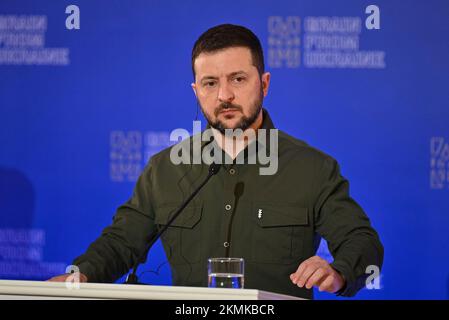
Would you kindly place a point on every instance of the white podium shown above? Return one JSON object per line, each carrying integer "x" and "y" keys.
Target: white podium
{"x": 57, "y": 290}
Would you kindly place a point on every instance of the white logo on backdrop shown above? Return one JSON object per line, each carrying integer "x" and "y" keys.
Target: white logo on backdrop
{"x": 21, "y": 255}
{"x": 439, "y": 163}
{"x": 284, "y": 42}
{"x": 22, "y": 42}
{"x": 125, "y": 155}
{"x": 155, "y": 141}
{"x": 131, "y": 150}
{"x": 334, "y": 42}
{"x": 328, "y": 42}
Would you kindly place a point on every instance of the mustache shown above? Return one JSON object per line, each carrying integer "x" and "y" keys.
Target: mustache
{"x": 226, "y": 106}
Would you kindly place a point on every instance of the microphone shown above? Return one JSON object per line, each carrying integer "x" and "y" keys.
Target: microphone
{"x": 132, "y": 277}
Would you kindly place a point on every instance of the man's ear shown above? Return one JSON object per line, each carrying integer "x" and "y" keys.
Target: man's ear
{"x": 266, "y": 77}
{"x": 193, "y": 85}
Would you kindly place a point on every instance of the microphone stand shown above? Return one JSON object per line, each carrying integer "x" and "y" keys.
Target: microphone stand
{"x": 132, "y": 277}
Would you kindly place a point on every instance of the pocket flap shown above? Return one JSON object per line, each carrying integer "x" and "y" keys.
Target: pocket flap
{"x": 279, "y": 215}
{"x": 188, "y": 218}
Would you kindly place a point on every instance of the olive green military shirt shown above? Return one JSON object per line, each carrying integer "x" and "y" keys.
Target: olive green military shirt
{"x": 274, "y": 221}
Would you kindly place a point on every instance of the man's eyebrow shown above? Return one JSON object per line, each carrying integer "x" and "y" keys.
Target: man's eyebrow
{"x": 232, "y": 74}
{"x": 208, "y": 78}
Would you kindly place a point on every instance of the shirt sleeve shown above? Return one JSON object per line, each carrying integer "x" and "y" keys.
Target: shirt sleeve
{"x": 352, "y": 241}
{"x": 119, "y": 246}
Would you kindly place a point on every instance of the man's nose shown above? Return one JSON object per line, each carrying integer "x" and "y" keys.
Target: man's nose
{"x": 225, "y": 93}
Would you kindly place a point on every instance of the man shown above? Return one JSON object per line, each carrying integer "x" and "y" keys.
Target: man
{"x": 273, "y": 221}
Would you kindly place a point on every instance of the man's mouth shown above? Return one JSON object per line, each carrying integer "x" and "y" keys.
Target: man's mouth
{"x": 228, "y": 111}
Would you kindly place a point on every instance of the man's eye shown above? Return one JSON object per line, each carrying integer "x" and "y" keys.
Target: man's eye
{"x": 239, "y": 79}
{"x": 209, "y": 84}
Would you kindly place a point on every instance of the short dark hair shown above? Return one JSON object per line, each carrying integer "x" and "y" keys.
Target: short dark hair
{"x": 227, "y": 36}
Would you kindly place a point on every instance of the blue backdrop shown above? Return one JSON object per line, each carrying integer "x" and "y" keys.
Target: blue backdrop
{"x": 83, "y": 109}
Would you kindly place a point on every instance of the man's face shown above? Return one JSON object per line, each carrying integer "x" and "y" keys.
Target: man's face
{"x": 229, "y": 88}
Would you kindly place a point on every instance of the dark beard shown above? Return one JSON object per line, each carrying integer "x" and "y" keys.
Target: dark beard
{"x": 245, "y": 122}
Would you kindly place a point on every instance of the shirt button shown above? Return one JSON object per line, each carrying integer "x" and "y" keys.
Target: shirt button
{"x": 226, "y": 244}
{"x": 232, "y": 171}
{"x": 228, "y": 207}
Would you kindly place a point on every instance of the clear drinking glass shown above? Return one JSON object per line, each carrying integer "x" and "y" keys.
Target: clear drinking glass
{"x": 226, "y": 273}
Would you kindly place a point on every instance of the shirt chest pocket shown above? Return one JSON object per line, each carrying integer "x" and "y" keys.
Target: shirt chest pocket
{"x": 182, "y": 240}
{"x": 279, "y": 232}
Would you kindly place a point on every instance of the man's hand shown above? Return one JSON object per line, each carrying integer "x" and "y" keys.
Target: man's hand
{"x": 318, "y": 272}
{"x": 69, "y": 277}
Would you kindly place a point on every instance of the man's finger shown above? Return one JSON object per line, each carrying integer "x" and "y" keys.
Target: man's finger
{"x": 295, "y": 276}
{"x": 61, "y": 278}
{"x": 311, "y": 268}
{"x": 316, "y": 277}
{"x": 328, "y": 284}
{"x": 302, "y": 267}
